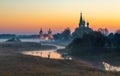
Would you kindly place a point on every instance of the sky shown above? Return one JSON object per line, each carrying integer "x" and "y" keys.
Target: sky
{"x": 28, "y": 16}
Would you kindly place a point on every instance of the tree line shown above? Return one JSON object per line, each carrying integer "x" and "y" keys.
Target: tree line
{"x": 95, "y": 42}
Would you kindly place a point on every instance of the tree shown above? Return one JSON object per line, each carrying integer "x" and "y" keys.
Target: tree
{"x": 87, "y": 43}
{"x": 104, "y": 31}
{"x": 57, "y": 36}
{"x": 118, "y": 31}
{"x": 116, "y": 40}
{"x": 66, "y": 34}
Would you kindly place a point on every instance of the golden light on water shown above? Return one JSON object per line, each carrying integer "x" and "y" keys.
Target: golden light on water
{"x": 44, "y": 54}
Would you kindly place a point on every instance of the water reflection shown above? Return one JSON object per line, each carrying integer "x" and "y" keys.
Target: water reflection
{"x": 53, "y": 54}
{"x": 45, "y": 54}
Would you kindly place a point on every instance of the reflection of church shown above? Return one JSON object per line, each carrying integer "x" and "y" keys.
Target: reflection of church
{"x": 44, "y": 36}
{"x": 82, "y": 29}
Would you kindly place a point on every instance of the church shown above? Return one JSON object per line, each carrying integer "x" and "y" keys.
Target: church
{"x": 44, "y": 36}
{"x": 82, "y": 29}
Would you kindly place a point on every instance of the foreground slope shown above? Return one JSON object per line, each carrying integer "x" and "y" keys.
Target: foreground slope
{"x": 13, "y": 63}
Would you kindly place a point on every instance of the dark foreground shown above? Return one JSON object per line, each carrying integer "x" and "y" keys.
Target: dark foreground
{"x": 13, "y": 63}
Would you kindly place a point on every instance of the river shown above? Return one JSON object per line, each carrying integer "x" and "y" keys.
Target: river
{"x": 41, "y": 53}
{"x": 46, "y": 53}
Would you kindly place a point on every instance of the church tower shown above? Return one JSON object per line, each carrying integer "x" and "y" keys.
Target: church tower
{"x": 49, "y": 31}
{"x": 50, "y": 36}
{"x": 41, "y": 32}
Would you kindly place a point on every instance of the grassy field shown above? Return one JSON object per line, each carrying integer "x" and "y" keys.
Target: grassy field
{"x": 13, "y": 63}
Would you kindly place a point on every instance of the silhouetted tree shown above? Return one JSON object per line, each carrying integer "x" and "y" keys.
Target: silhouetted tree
{"x": 103, "y": 31}
{"x": 87, "y": 42}
{"x": 66, "y": 34}
{"x": 116, "y": 40}
{"x": 99, "y": 39}
{"x": 57, "y": 36}
{"x": 118, "y": 31}
{"x": 74, "y": 46}
{"x": 95, "y": 43}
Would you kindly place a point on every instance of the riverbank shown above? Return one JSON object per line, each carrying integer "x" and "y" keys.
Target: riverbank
{"x": 24, "y": 46}
{"x": 16, "y": 64}
{"x": 96, "y": 48}
{"x": 95, "y": 56}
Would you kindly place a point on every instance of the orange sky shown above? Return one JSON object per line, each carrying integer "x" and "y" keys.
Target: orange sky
{"x": 28, "y": 16}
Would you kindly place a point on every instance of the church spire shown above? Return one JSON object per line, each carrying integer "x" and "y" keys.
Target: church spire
{"x": 81, "y": 21}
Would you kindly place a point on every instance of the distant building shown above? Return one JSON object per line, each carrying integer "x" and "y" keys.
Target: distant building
{"x": 44, "y": 36}
{"x": 82, "y": 29}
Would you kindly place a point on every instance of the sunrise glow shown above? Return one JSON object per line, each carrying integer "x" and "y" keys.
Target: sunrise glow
{"x": 28, "y": 16}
